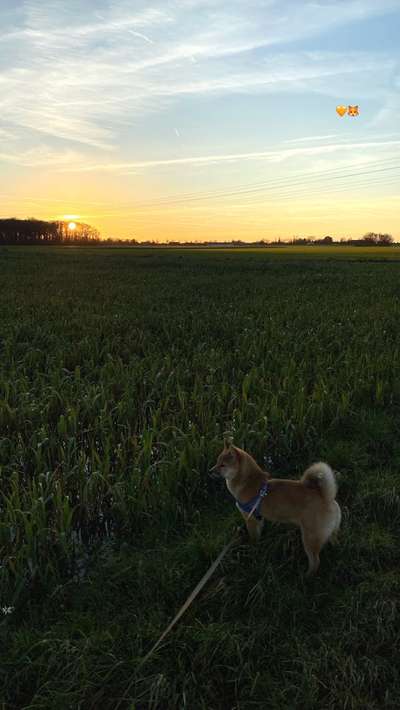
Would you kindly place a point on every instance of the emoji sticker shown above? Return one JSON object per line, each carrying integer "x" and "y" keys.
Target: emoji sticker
{"x": 353, "y": 111}
{"x": 341, "y": 110}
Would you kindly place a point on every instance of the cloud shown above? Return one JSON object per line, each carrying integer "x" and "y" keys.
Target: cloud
{"x": 41, "y": 156}
{"x": 79, "y": 72}
{"x": 273, "y": 156}
{"x": 6, "y": 135}
{"x": 311, "y": 138}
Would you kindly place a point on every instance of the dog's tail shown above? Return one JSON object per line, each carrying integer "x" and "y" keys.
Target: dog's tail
{"x": 321, "y": 476}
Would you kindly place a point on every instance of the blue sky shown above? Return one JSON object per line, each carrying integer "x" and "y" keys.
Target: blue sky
{"x": 111, "y": 108}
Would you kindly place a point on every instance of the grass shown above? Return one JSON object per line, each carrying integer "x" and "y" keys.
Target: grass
{"x": 119, "y": 372}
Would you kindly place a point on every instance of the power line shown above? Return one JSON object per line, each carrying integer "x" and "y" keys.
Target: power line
{"x": 300, "y": 191}
{"x": 271, "y": 184}
{"x": 327, "y": 189}
{"x": 190, "y": 218}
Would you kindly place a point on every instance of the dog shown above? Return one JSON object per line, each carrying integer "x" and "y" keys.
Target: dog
{"x": 309, "y": 502}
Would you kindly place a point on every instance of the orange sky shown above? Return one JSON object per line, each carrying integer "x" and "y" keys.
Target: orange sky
{"x": 199, "y": 120}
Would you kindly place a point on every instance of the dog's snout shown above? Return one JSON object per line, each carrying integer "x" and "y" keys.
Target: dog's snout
{"x": 214, "y": 472}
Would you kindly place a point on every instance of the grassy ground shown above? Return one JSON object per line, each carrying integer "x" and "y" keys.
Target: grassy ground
{"x": 119, "y": 372}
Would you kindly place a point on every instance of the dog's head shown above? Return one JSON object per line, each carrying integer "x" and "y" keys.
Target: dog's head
{"x": 228, "y": 462}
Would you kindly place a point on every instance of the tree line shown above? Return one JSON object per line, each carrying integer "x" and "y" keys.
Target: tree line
{"x": 369, "y": 239}
{"x": 37, "y": 231}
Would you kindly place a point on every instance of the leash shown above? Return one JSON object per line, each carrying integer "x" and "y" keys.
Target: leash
{"x": 190, "y": 598}
{"x": 252, "y": 510}
{"x": 185, "y": 606}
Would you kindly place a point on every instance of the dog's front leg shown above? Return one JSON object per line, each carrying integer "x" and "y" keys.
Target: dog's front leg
{"x": 254, "y": 527}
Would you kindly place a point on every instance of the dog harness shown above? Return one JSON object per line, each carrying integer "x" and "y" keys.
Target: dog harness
{"x": 253, "y": 506}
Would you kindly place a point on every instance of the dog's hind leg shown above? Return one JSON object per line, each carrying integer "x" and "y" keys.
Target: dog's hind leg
{"x": 335, "y": 533}
{"x": 312, "y": 546}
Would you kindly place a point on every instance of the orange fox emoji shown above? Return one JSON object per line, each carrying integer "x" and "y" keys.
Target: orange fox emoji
{"x": 353, "y": 111}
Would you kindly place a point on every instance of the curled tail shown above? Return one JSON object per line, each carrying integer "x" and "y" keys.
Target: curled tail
{"x": 321, "y": 476}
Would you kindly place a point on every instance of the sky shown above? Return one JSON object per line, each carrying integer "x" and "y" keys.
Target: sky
{"x": 202, "y": 119}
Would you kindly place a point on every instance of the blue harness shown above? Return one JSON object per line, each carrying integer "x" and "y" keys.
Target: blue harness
{"x": 254, "y": 503}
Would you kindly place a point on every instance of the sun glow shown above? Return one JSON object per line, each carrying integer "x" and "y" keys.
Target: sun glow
{"x": 71, "y": 226}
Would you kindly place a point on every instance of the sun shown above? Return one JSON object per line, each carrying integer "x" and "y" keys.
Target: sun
{"x": 71, "y": 226}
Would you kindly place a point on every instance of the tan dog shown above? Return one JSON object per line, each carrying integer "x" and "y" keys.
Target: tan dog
{"x": 309, "y": 503}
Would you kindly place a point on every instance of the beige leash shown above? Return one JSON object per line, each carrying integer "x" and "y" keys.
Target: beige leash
{"x": 252, "y": 510}
{"x": 190, "y": 598}
{"x": 185, "y": 606}
{"x": 196, "y": 591}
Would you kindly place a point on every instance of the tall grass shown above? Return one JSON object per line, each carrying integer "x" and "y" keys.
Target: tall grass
{"x": 119, "y": 373}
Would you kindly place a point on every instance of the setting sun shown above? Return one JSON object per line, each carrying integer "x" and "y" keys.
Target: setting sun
{"x": 239, "y": 140}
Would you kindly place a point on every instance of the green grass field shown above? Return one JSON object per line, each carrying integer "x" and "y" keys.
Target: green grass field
{"x": 120, "y": 369}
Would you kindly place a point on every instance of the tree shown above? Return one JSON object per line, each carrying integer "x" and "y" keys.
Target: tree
{"x": 326, "y": 241}
{"x": 374, "y": 238}
{"x": 27, "y": 231}
{"x": 36, "y": 231}
{"x": 385, "y": 240}
{"x": 82, "y": 233}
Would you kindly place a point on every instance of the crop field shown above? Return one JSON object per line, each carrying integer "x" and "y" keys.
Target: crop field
{"x": 120, "y": 370}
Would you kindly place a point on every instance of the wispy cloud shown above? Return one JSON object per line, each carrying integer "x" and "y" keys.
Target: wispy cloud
{"x": 41, "y": 156}
{"x": 273, "y": 156}
{"x": 312, "y": 138}
{"x": 79, "y": 72}
{"x": 162, "y": 92}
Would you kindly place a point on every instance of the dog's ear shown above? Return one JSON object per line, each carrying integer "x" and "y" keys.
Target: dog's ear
{"x": 227, "y": 442}
{"x": 235, "y": 452}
